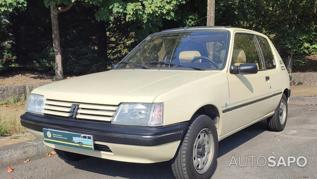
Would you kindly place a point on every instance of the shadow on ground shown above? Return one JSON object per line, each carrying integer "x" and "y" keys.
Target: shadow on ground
{"x": 162, "y": 170}
{"x": 241, "y": 137}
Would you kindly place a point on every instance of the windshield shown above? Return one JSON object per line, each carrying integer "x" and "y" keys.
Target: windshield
{"x": 199, "y": 50}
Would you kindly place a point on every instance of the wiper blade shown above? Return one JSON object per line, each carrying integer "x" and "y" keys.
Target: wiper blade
{"x": 174, "y": 65}
{"x": 135, "y": 64}
{"x": 194, "y": 68}
{"x": 160, "y": 63}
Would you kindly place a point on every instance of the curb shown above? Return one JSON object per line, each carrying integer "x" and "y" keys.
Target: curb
{"x": 307, "y": 78}
{"x": 18, "y": 91}
{"x": 19, "y": 152}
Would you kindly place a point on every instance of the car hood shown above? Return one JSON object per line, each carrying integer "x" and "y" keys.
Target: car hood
{"x": 115, "y": 86}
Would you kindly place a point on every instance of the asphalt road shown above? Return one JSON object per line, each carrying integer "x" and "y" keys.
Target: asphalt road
{"x": 247, "y": 154}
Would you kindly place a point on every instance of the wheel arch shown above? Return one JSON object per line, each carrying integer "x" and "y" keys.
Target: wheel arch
{"x": 287, "y": 92}
{"x": 211, "y": 111}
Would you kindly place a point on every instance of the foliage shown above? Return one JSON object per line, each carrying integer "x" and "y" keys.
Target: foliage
{"x": 285, "y": 21}
{"x": 7, "y": 56}
{"x": 307, "y": 44}
{"x": 145, "y": 16}
{"x": 3, "y": 130}
{"x": 120, "y": 18}
{"x": 120, "y": 41}
{"x": 7, "y": 42}
{"x": 146, "y": 11}
{"x": 97, "y": 33}
{"x": 289, "y": 23}
{"x": 8, "y": 6}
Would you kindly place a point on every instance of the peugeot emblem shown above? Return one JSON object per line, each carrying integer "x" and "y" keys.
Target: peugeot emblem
{"x": 73, "y": 110}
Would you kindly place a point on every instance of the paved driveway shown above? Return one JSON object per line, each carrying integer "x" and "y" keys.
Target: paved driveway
{"x": 247, "y": 154}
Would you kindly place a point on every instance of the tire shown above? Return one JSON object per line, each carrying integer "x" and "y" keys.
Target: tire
{"x": 183, "y": 163}
{"x": 70, "y": 157}
{"x": 278, "y": 121}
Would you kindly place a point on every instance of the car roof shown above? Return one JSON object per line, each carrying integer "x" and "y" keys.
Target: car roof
{"x": 200, "y": 28}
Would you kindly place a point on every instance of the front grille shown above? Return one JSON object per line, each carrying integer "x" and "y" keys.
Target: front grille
{"x": 89, "y": 111}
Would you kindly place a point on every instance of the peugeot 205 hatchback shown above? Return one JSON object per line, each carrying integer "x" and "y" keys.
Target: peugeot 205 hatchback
{"x": 172, "y": 98}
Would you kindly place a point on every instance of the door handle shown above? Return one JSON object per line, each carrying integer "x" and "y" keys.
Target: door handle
{"x": 267, "y": 78}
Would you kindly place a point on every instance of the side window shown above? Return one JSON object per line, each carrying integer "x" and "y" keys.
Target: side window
{"x": 267, "y": 53}
{"x": 245, "y": 51}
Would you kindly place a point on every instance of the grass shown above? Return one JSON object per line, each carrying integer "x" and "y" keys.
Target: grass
{"x": 3, "y": 130}
{"x": 13, "y": 100}
{"x": 10, "y": 119}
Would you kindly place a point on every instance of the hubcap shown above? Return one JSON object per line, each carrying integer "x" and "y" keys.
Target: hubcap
{"x": 282, "y": 112}
{"x": 203, "y": 151}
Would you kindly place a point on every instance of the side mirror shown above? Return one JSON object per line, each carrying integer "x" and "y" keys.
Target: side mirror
{"x": 245, "y": 68}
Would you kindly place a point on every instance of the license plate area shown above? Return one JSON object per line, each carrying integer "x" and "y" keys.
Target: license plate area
{"x": 69, "y": 139}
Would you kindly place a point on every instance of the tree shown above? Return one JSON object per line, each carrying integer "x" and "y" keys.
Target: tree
{"x": 57, "y": 7}
{"x": 148, "y": 14}
{"x": 211, "y": 13}
{"x": 56, "y": 43}
{"x": 56, "y": 39}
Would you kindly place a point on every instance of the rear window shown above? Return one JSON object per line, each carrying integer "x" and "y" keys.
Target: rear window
{"x": 267, "y": 53}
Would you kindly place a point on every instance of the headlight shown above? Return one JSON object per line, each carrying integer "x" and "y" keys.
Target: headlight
{"x": 139, "y": 114}
{"x": 35, "y": 104}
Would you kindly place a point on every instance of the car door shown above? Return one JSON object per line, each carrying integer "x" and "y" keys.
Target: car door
{"x": 271, "y": 73}
{"x": 245, "y": 90}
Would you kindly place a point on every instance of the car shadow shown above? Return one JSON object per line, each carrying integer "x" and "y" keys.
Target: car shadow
{"x": 161, "y": 170}
{"x": 239, "y": 138}
{"x": 125, "y": 170}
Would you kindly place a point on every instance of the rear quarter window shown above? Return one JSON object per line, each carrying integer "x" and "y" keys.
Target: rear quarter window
{"x": 267, "y": 53}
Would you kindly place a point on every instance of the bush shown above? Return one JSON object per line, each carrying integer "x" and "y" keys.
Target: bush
{"x": 81, "y": 60}
{"x": 3, "y": 130}
{"x": 7, "y": 56}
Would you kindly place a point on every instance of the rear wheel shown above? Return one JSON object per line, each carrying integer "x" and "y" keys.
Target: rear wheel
{"x": 70, "y": 157}
{"x": 197, "y": 155}
{"x": 278, "y": 121}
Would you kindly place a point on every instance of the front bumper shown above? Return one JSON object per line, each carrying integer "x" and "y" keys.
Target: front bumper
{"x": 115, "y": 142}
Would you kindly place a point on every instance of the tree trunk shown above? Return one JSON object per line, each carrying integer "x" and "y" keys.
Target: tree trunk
{"x": 56, "y": 43}
{"x": 210, "y": 12}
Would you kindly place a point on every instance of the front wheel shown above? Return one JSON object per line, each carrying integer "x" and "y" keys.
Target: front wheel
{"x": 278, "y": 121}
{"x": 197, "y": 155}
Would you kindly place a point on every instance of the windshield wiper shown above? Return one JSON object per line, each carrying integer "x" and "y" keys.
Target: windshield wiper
{"x": 173, "y": 65}
{"x": 135, "y": 65}
{"x": 194, "y": 68}
{"x": 161, "y": 63}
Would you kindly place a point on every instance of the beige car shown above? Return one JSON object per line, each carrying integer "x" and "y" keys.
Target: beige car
{"x": 172, "y": 98}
